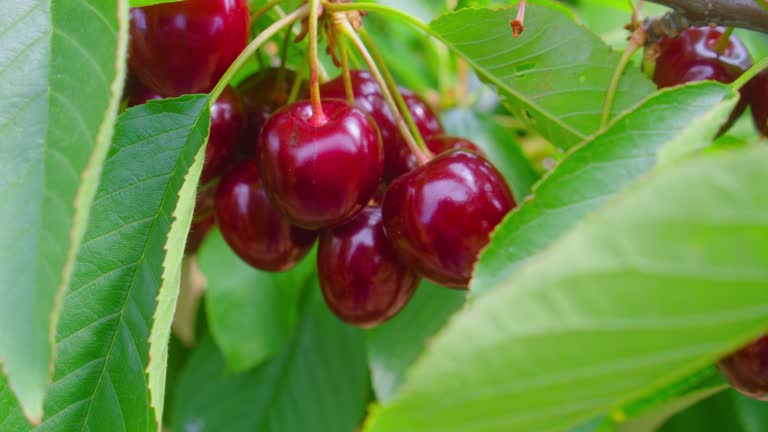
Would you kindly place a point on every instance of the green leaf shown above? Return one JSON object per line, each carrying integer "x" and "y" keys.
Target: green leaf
{"x": 142, "y": 3}
{"x": 762, "y": 3}
{"x": 499, "y": 146}
{"x": 56, "y": 54}
{"x": 672, "y": 119}
{"x": 102, "y": 337}
{"x": 727, "y": 411}
{"x": 555, "y": 75}
{"x": 251, "y": 314}
{"x": 395, "y": 345}
{"x": 664, "y": 280}
{"x": 317, "y": 383}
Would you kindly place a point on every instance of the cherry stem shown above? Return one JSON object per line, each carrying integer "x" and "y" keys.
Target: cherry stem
{"x": 721, "y": 45}
{"x": 422, "y": 155}
{"x": 296, "y": 87}
{"x": 318, "y": 116}
{"x": 282, "y": 72}
{"x": 345, "y": 71}
{"x": 392, "y": 87}
{"x": 252, "y": 47}
{"x": 518, "y": 25}
{"x": 749, "y": 74}
{"x": 636, "y": 41}
{"x": 264, "y": 9}
{"x": 389, "y": 10}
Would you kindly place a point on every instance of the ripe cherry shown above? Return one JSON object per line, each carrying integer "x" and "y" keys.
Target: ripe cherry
{"x": 362, "y": 279}
{"x": 262, "y": 94}
{"x": 438, "y": 144}
{"x": 202, "y": 219}
{"x": 226, "y": 125}
{"x": 185, "y": 47}
{"x": 759, "y": 88}
{"x": 368, "y": 97}
{"x": 252, "y": 227}
{"x": 139, "y": 94}
{"x": 747, "y": 369}
{"x": 695, "y": 56}
{"x": 320, "y": 175}
{"x": 440, "y": 216}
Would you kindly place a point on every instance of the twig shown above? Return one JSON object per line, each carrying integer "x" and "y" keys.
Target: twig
{"x": 730, "y": 13}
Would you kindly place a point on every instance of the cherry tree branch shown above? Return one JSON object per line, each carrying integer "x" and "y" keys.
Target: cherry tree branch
{"x": 731, "y": 13}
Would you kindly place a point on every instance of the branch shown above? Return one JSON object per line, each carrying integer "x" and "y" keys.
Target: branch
{"x": 730, "y": 13}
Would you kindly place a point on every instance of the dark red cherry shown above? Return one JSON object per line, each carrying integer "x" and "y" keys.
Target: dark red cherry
{"x": 252, "y": 227}
{"x": 185, "y": 47}
{"x": 368, "y": 97}
{"x": 362, "y": 279}
{"x": 759, "y": 88}
{"x": 320, "y": 175}
{"x": 226, "y": 125}
{"x": 747, "y": 369}
{"x": 202, "y": 219}
{"x": 440, "y": 216}
{"x": 263, "y": 93}
{"x": 438, "y": 144}
{"x": 692, "y": 57}
{"x": 139, "y": 94}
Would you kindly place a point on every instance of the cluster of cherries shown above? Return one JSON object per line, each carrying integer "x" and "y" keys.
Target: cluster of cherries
{"x": 703, "y": 54}
{"x": 708, "y": 53}
{"x": 278, "y": 176}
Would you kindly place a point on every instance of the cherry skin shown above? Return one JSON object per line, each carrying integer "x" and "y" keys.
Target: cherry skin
{"x": 759, "y": 87}
{"x": 139, "y": 94}
{"x": 438, "y": 144}
{"x": 252, "y": 227}
{"x": 202, "y": 219}
{"x": 262, "y": 93}
{"x": 320, "y": 175}
{"x": 692, "y": 57}
{"x": 185, "y": 47}
{"x": 368, "y": 97}
{"x": 440, "y": 216}
{"x": 226, "y": 124}
{"x": 747, "y": 369}
{"x": 362, "y": 279}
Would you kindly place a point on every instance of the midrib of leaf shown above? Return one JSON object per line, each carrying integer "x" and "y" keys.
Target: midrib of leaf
{"x": 132, "y": 285}
{"x": 500, "y": 84}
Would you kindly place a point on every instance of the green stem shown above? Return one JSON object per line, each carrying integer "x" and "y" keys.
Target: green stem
{"x": 253, "y": 46}
{"x": 721, "y": 45}
{"x": 318, "y": 116}
{"x": 296, "y": 87}
{"x": 264, "y": 9}
{"x": 749, "y": 74}
{"x": 635, "y": 42}
{"x": 345, "y": 70}
{"x": 344, "y": 25}
{"x": 392, "y": 86}
{"x": 388, "y": 10}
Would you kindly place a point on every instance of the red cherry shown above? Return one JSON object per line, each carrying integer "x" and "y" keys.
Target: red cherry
{"x": 251, "y": 225}
{"x": 185, "y": 47}
{"x": 202, "y": 220}
{"x": 440, "y": 216}
{"x": 226, "y": 125}
{"x": 139, "y": 94}
{"x": 320, "y": 175}
{"x": 263, "y": 93}
{"x": 692, "y": 57}
{"x": 759, "y": 88}
{"x": 747, "y": 369}
{"x": 368, "y": 97}
{"x": 363, "y": 281}
{"x": 442, "y": 143}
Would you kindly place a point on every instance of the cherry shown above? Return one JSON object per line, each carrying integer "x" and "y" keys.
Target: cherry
{"x": 440, "y": 216}
{"x": 747, "y": 369}
{"x": 759, "y": 88}
{"x": 693, "y": 56}
{"x": 202, "y": 219}
{"x": 185, "y": 47}
{"x": 139, "y": 94}
{"x": 362, "y": 279}
{"x": 252, "y": 227}
{"x": 320, "y": 175}
{"x": 368, "y": 97}
{"x": 438, "y": 144}
{"x": 226, "y": 125}
{"x": 262, "y": 94}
